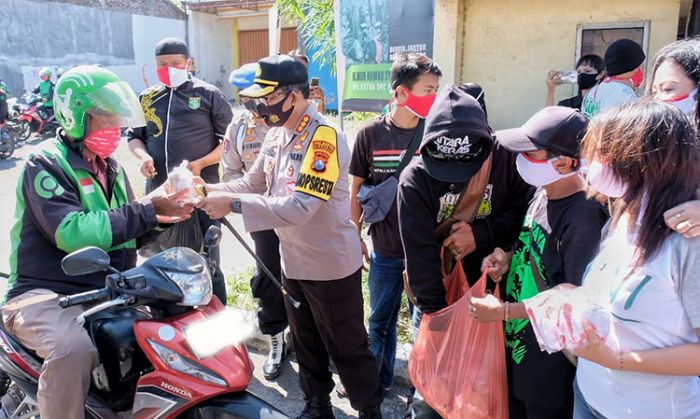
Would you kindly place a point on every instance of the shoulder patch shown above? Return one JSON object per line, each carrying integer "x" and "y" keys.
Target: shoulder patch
{"x": 320, "y": 168}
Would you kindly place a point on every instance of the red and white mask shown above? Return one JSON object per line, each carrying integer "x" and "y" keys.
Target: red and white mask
{"x": 172, "y": 76}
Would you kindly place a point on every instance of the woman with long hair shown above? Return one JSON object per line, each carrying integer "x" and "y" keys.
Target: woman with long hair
{"x": 675, "y": 78}
{"x": 645, "y": 156}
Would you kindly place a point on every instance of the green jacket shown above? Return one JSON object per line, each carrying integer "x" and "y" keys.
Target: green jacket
{"x": 62, "y": 207}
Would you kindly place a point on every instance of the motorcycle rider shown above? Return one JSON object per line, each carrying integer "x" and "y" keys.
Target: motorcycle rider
{"x": 45, "y": 89}
{"x": 4, "y": 92}
{"x": 70, "y": 195}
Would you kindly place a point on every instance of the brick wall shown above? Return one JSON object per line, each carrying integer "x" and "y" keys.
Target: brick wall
{"x": 156, "y": 8}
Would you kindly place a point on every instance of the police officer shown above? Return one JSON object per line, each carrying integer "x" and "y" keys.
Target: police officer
{"x": 242, "y": 143}
{"x": 186, "y": 120}
{"x": 299, "y": 186}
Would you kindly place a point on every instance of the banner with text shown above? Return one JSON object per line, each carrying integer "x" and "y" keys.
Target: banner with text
{"x": 369, "y": 33}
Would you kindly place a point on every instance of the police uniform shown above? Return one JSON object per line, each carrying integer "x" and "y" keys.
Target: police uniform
{"x": 242, "y": 144}
{"x": 299, "y": 186}
{"x": 185, "y": 123}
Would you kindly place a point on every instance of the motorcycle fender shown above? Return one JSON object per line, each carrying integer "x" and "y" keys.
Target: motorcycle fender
{"x": 235, "y": 406}
{"x": 25, "y": 117}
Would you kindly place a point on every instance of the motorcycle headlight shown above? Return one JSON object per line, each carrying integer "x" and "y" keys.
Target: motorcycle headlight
{"x": 191, "y": 274}
{"x": 177, "y": 362}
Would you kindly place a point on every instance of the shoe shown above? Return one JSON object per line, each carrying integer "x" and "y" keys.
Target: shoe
{"x": 278, "y": 352}
{"x": 372, "y": 413}
{"x": 317, "y": 407}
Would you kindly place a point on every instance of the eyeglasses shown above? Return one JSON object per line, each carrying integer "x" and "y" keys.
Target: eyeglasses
{"x": 265, "y": 100}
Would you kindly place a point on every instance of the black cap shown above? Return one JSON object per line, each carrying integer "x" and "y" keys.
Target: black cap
{"x": 622, "y": 56}
{"x": 274, "y": 72}
{"x": 168, "y": 46}
{"x": 557, "y": 129}
{"x": 457, "y": 138}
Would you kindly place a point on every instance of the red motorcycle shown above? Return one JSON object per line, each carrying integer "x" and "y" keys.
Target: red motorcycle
{"x": 167, "y": 348}
{"x": 33, "y": 118}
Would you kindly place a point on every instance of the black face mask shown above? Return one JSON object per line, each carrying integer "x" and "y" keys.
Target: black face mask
{"x": 273, "y": 115}
{"x": 586, "y": 81}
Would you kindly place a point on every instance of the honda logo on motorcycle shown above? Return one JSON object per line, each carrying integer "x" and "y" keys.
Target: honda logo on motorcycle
{"x": 171, "y": 388}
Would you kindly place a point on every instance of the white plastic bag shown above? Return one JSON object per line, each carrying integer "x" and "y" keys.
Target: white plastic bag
{"x": 180, "y": 178}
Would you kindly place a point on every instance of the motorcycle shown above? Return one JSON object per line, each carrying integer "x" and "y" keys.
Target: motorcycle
{"x": 167, "y": 348}
{"x": 32, "y": 118}
{"x": 7, "y": 139}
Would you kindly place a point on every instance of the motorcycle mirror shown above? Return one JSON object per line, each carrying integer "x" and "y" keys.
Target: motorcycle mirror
{"x": 85, "y": 261}
{"x": 213, "y": 237}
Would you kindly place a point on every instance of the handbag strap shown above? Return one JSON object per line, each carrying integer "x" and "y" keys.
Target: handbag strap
{"x": 466, "y": 208}
{"x": 412, "y": 147}
{"x": 469, "y": 200}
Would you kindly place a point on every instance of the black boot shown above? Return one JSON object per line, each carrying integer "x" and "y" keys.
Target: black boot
{"x": 371, "y": 413}
{"x": 317, "y": 407}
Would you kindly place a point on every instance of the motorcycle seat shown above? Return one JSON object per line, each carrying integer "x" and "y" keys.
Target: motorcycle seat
{"x": 17, "y": 346}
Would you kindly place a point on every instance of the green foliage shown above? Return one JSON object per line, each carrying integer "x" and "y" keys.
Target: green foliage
{"x": 238, "y": 293}
{"x": 316, "y": 25}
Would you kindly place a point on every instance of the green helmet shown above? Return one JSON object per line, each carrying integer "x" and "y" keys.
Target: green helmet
{"x": 91, "y": 90}
{"x": 45, "y": 72}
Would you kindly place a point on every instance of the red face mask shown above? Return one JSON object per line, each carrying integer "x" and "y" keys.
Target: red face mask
{"x": 103, "y": 142}
{"x": 419, "y": 105}
{"x": 637, "y": 78}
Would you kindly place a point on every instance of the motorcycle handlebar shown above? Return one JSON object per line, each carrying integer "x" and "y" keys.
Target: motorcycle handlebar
{"x": 83, "y": 297}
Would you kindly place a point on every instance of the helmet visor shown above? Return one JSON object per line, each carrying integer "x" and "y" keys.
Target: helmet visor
{"x": 118, "y": 102}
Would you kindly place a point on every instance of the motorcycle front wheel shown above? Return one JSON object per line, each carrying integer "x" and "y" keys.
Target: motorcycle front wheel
{"x": 22, "y": 131}
{"x": 7, "y": 145}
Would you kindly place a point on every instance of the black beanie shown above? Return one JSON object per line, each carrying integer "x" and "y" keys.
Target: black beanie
{"x": 168, "y": 46}
{"x": 622, "y": 56}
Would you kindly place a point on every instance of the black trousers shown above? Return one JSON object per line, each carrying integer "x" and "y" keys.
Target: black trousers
{"x": 272, "y": 315}
{"x": 330, "y": 323}
{"x": 218, "y": 282}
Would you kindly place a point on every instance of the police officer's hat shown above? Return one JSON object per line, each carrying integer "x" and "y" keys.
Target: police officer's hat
{"x": 275, "y": 72}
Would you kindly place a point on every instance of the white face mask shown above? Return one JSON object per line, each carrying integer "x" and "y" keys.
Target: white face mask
{"x": 687, "y": 103}
{"x": 602, "y": 179}
{"x": 539, "y": 173}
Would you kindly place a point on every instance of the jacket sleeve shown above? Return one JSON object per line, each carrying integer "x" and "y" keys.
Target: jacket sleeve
{"x": 221, "y": 114}
{"x": 253, "y": 181}
{"x": 54, "y": 203}
{"x": 502, "y": 228}
{"x": 230, "y": 158}
{"x": 417, "y": 222}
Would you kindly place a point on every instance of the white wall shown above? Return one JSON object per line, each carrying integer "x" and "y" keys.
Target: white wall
{"x": 147, "y": 31}
{"x": 211, "y": 43}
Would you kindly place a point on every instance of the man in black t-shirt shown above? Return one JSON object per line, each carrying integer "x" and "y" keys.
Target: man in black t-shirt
{"x": 379, "y": 147}
{"x": 559, "y": 238}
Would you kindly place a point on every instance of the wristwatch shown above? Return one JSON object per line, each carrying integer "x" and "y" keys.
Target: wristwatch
{"x": 236, "y": 206}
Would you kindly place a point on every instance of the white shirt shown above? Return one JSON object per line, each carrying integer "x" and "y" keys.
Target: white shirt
{"x": 607, "y": 94}
{"x": 655, "y": 306}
